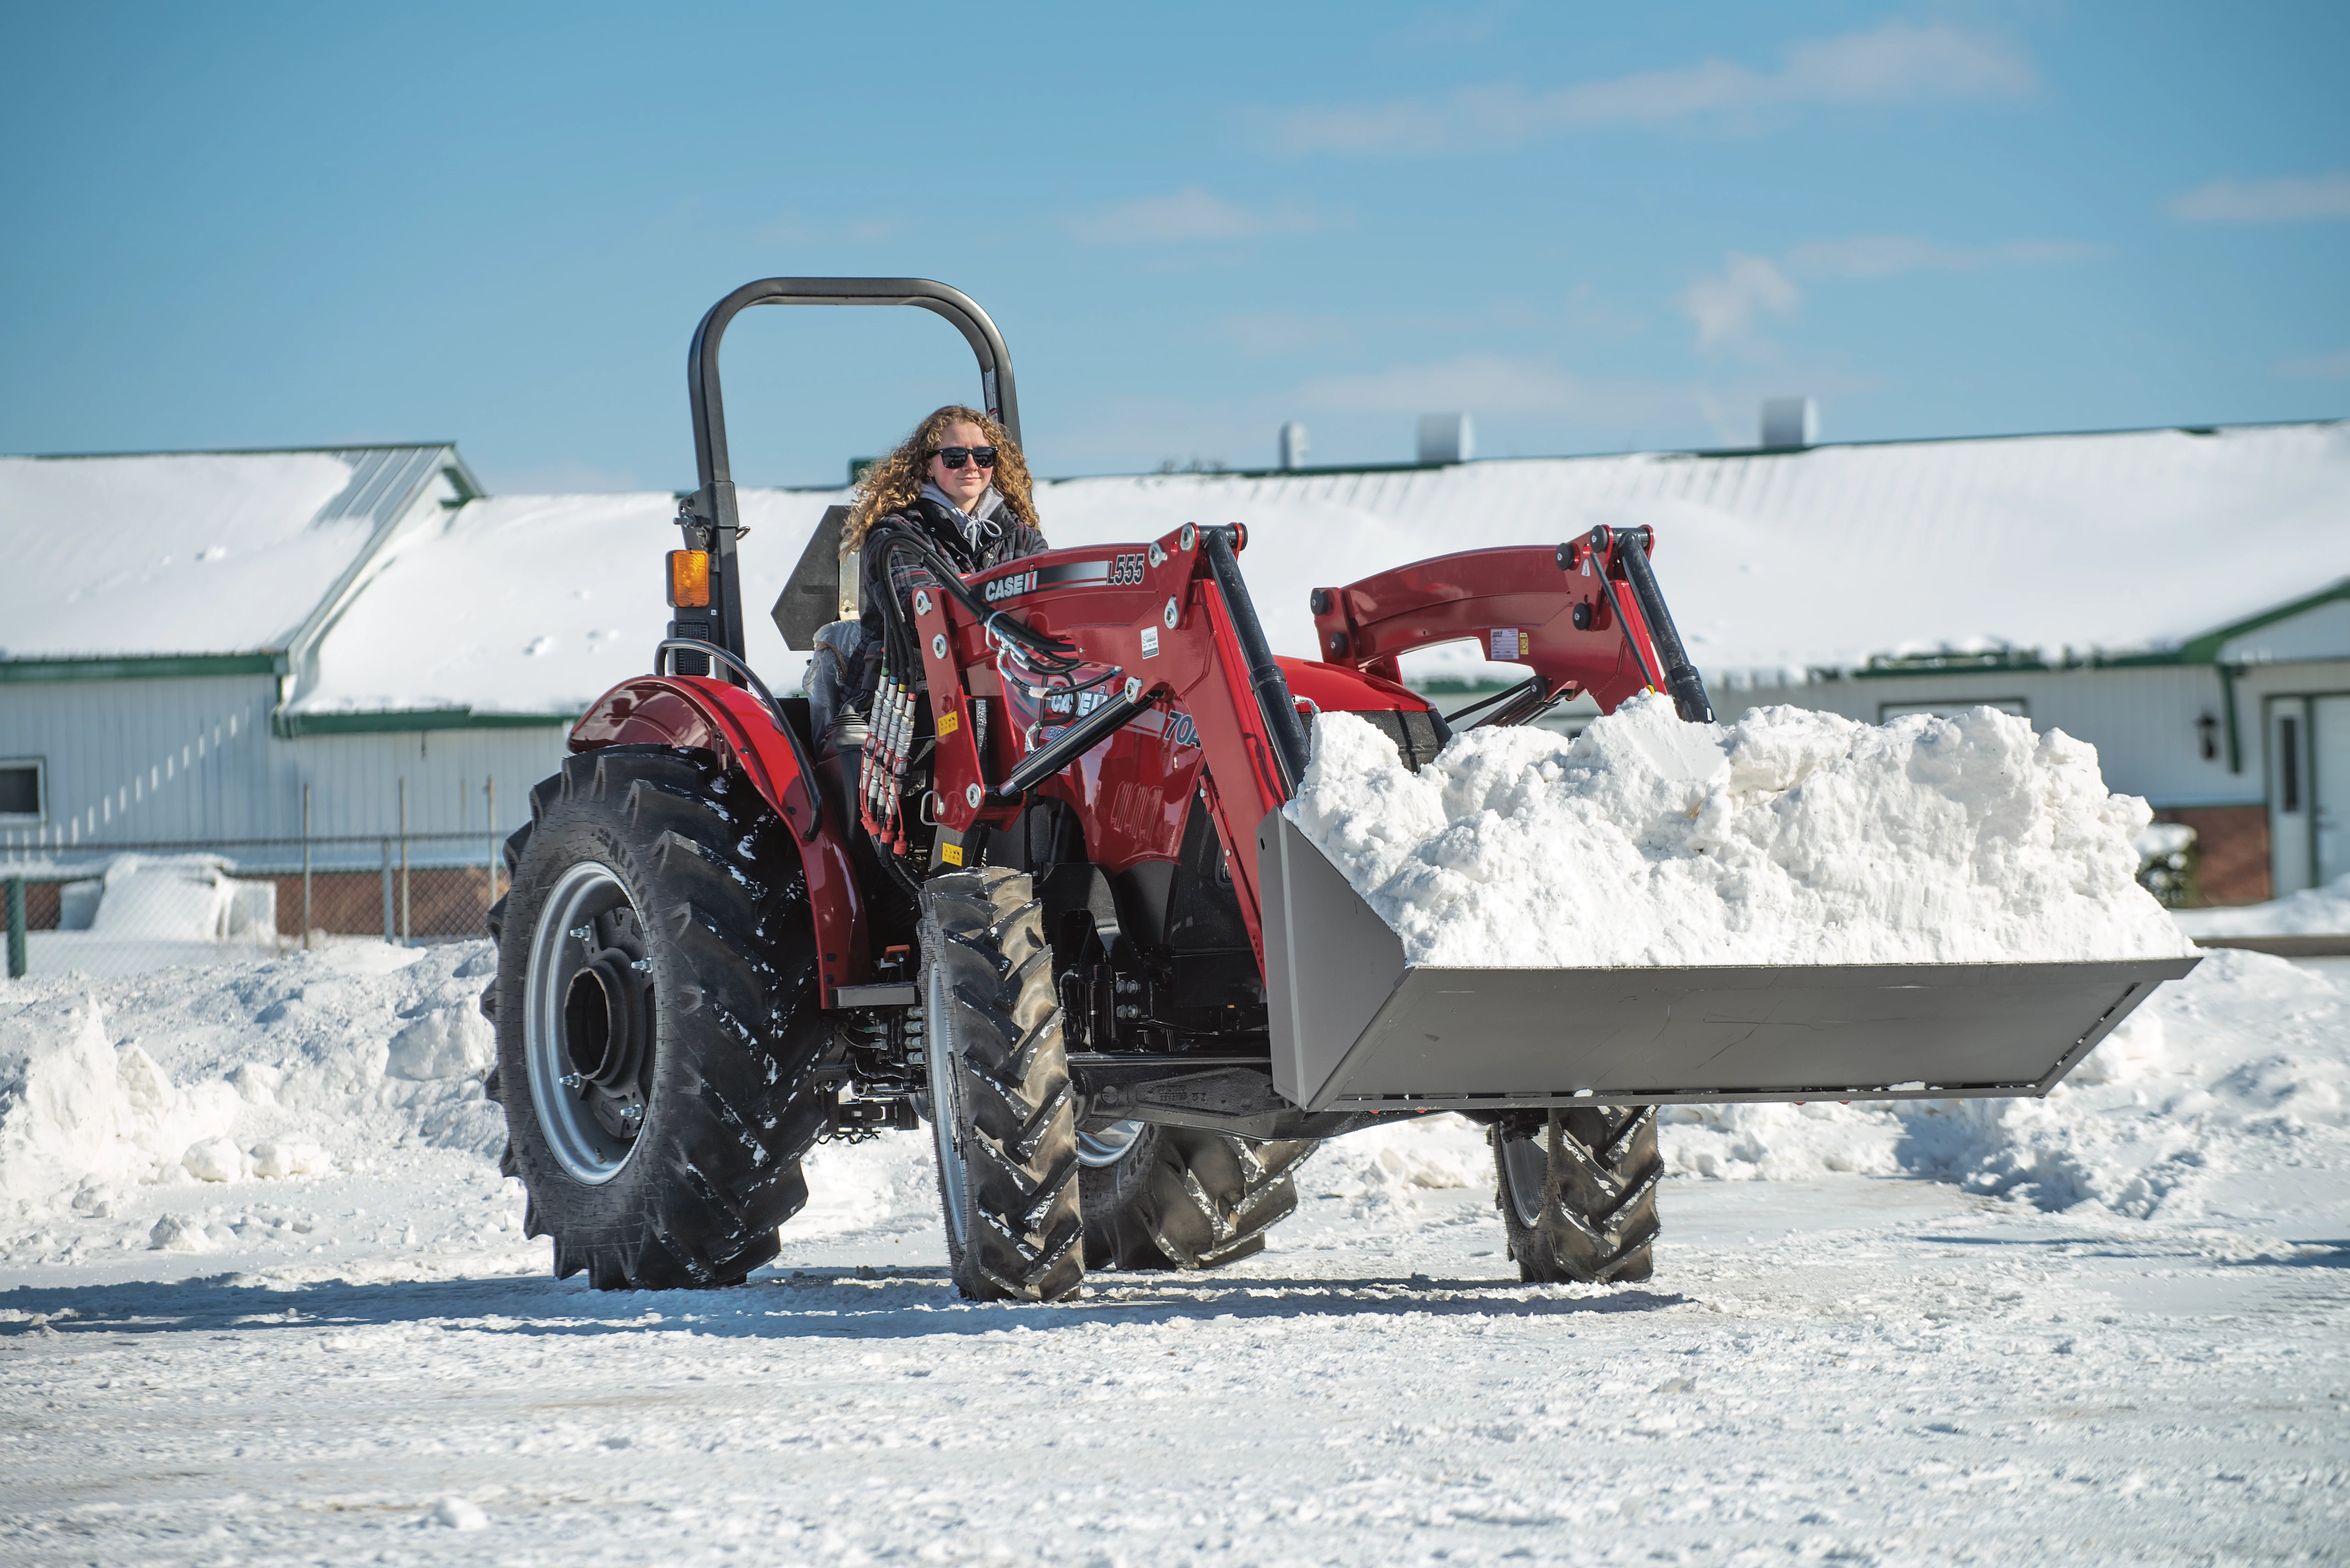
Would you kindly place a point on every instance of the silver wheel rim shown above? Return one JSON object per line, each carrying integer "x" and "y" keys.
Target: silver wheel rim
{"x": 946, "y": 1104}
{"x": 588, "y": 1153}
{"x": 1525, "y": 1164}
{"x": 1108, "y": 1147}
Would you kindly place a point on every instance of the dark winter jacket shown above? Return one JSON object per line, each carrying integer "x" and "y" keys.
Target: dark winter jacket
{"x": 973, "y": 542}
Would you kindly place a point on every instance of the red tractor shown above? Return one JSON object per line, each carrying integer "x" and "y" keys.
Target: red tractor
{"x": 1054, "y": 909}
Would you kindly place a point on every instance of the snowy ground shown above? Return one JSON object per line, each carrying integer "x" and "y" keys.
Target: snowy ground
{"x": 2113, "y": 1326}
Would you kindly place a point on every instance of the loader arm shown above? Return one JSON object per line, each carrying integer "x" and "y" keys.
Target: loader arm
{"x": 1586, "y": 617}
{"x": 1172, "y": 623}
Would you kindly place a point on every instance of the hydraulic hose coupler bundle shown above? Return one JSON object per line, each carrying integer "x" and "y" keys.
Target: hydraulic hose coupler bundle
{"x": 881, "y": 776}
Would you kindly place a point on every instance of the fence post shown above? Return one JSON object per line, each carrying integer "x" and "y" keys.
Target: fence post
{"x": 15, "y": 928}
{"x": 306, "y": 868}
{"x": 492, "y": 790}
{"x": 387, "y": 891}
{"x": 403, "y": 863}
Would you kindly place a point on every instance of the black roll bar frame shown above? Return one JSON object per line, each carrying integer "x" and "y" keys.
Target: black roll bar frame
{"x": 712, "y": 508}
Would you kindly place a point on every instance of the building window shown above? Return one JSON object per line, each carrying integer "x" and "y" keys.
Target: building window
{"x": 24, "y": 799}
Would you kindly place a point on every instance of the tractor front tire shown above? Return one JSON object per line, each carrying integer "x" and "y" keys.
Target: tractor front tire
{"x": 1577, "y": 1189}
{"x": 1002, "y": 1109}
{"x": 1182, "y": 1198}
{"x": 658, "y": 1019}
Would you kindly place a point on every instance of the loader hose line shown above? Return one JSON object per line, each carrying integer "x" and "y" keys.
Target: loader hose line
{"x": 1272, "y": 687}
{"x": 1681, "y": 678}
{"x": 894, "y": 539}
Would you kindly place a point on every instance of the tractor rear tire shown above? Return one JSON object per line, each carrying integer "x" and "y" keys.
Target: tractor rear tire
{"x": 658, "y": 1019}
{"x": 1003, "y": 1113}
{"x": 1182, "y": 1198}
{"x": 1577, "y": 1189}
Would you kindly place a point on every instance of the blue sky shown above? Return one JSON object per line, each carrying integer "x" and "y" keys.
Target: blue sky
{"x": 1592, "y": 227}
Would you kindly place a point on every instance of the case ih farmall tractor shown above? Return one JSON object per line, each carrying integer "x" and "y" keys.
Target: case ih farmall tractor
{"x": 1047, "y": 901}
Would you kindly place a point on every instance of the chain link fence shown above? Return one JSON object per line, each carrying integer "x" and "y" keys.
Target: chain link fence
{"x": 124, "y": 908}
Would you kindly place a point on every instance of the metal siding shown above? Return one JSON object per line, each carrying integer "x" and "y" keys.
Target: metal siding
{"x": 2141, "y": 719}
{"x": 145, "y": 761}
{"x": 193, "y": 761}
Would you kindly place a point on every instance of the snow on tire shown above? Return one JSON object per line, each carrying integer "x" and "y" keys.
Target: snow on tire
{"x": 1577, "y": 1189}
{"x": 657, "y": 1018}
{"x": 1181, "y": 1198}
{"x": 1001, "y": 1110}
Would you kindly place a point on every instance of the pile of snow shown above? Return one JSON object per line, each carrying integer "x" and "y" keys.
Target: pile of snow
{"x": 1791, "y": 837}
{"x": 2317, "y": 911}
{"x": 2227, "y": 1095}
{"x": 320, "y": 1115}
{"x": 171, "y": 898}
{"x": 142, "y": 1112}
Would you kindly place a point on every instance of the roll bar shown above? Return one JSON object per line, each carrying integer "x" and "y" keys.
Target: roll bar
{"x": 712, "y": 508}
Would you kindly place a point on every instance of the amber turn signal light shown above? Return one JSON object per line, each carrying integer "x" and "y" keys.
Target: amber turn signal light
{"x": 689, "y": 580}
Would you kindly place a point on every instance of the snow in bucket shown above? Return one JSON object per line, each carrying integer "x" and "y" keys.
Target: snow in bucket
{"x": 1788, "y": 837}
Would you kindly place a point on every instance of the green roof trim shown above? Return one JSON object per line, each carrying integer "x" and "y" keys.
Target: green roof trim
{"x": 1884, "y": 666}
{"x": 395, "y": 720}
{"x": 142, "y": 667}
{"x": 2205, "y": 650}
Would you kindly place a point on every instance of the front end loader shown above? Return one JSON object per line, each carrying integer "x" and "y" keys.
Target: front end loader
{"x": 1044, "y": 897}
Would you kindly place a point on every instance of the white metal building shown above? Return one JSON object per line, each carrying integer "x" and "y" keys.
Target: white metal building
{"x": 188, "y": 639}
{"x": 161, "y": 615}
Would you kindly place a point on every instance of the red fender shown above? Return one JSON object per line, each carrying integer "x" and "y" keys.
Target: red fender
{"x": 711, "y": 715}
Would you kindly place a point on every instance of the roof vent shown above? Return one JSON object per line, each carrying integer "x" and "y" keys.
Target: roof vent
{"x": 1293, "y": 445}
{"x": 1447, "y": 438}
{"x": 1790, "y": 423}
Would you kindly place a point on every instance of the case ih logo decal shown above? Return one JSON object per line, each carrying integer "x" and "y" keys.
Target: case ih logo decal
{"x": 999, "y": 589}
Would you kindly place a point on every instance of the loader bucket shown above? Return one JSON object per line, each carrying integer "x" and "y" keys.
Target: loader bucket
{"x": 1354, "y": 1025}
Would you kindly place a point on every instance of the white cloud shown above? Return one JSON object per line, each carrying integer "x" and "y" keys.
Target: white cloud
{"x": 1724, "y": 307}
{"x": 1890, "y": 255}
{"x": 2323, "y": 368}
{"x": 1727, "y": 307}
{"x": 1898, "y": 62}
{"x": 1189, "y": 215}
{"x": 2283, "y": 200}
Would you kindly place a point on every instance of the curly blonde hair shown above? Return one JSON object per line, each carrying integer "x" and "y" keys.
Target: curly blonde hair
{"x": 891, "y": 484}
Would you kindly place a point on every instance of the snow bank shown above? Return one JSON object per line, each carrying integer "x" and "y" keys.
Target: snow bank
{"x": 2317, "y": 911}
{"x": 126, "y": 1105}
{"x": 2228, "y": 1093}
{"x": 1791, "y": 836}
{"x": 320, "y": 1116}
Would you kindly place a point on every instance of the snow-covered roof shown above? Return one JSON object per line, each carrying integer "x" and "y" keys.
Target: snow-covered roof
{"x": 533, "y": 605}
{"x": 1826, "y": 556}
{"x": 197, "y": 553}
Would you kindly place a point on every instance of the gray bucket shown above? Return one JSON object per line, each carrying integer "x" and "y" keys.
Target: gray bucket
{"x": 1356, "y": 1027}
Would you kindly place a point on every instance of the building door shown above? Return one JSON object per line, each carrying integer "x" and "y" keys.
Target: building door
{"x": 2291, "y": 840}
{"x": 2329, "y": 758}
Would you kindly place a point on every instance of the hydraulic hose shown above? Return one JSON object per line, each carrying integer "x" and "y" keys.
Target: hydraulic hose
{"x": 1272, "y": 687}
{"x": 1681, "y": 678}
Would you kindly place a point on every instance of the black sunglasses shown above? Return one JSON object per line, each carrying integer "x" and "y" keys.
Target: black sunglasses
{"x": 956, "y": 456}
